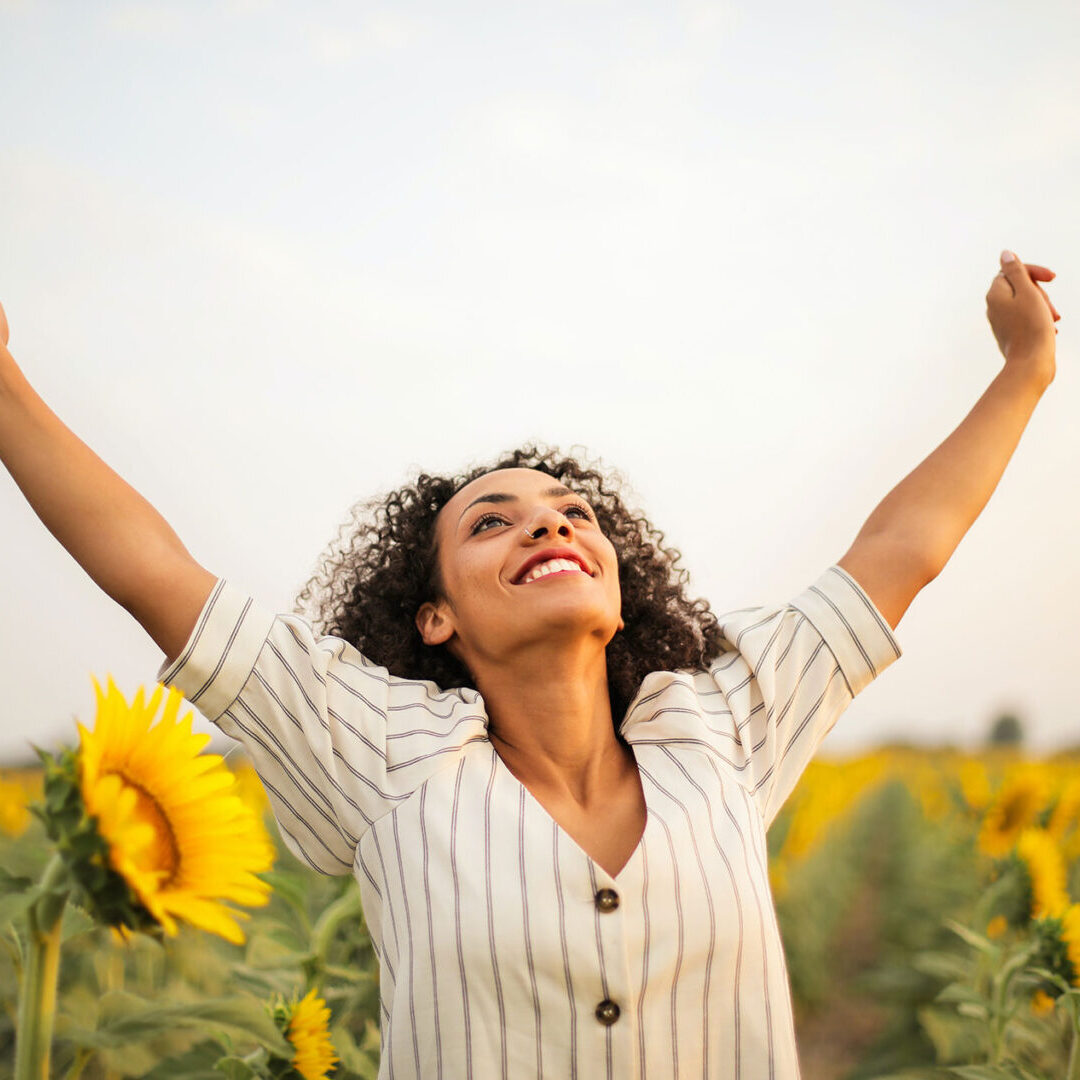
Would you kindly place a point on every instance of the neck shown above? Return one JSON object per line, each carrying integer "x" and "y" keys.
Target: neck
{"x": 550, "y": 721}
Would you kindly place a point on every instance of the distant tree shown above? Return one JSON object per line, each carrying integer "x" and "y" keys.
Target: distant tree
{"x": 1007, "y": 730}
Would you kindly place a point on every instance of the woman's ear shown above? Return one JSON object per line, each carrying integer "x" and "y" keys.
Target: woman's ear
{"x": 434, "y": 624}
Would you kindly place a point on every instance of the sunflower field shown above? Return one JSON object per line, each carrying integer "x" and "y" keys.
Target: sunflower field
{"x": 153, "y": 924}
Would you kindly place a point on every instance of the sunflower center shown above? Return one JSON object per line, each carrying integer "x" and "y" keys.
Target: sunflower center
{"x": 162, "y": 854}
{"x": 1014, "y": 813}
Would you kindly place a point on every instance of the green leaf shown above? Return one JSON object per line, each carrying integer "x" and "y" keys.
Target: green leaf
{"x": 126, "y": 1018}
{"x": 287, "y": 938}
{"x": 1051, "y": 977}
{"x": 986, "y": 1072}
{"x": 357, "y": 976}
{"x": 942, "y": 965}
{"x": 955, "y": 1038}
{"x": 353, "y": 1058}
{"x": 265, "y": 981}
{"x": 959, "y": 993}
{"x": 236, "y": 1069}
{"x": 916, "y": 1074}
{"x": 1014, "y": 961}
{"x": 14, "y": 905}
{"x": 76, "y": 921}
{"x": 198, "y": 1063}
{"x": 86, "y": 1038}
{"x": 291, "y": 887}
{"x": 12, "y": 883}
{"x": 974, "y": 939}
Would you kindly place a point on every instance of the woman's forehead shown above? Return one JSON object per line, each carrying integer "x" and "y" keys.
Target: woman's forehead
{"x": 512, "y": 482}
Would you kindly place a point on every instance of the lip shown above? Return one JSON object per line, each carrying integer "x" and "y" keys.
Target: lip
{"x": 545, "y": 556}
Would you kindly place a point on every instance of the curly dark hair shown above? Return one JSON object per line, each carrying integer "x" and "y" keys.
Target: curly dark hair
{"x": 372, "y": 580}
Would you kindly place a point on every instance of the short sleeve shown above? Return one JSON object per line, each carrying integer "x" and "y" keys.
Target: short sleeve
{"x": 792, "y": 671}
{"x": 336, "y": 740}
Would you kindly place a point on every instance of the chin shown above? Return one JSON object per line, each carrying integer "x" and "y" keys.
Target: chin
{"x": 576, "y": 618}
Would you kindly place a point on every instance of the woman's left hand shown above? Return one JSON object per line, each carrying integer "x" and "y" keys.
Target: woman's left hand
{"x": 1021, "y": 314}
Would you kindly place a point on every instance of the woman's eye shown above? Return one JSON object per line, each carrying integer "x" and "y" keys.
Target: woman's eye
{"x": 579, "y": 510}
{"x": 481, "y": 524}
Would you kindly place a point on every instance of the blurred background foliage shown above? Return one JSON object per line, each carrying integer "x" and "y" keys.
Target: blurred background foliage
{"x": 908, "y": 913}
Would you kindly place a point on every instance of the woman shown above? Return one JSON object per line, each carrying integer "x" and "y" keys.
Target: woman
{"x": 561, "y": 851}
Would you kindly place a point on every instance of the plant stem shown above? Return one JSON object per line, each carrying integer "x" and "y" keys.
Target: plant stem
{"x": 114, "y": 980}
{"x": 1001, "y": 1012}
{"x": 82, "y": 1056}
{"x": 37, "y": 1004}
{"x": 1073, "y": 1071}
{"x": 346, "y": 906}
{"x": 997, "y": 1020}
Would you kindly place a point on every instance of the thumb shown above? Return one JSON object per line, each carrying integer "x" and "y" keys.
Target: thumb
{"x": 1016, "y": 273}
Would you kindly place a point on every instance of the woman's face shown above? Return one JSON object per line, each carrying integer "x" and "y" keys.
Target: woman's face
{"x": 500, "y": 541}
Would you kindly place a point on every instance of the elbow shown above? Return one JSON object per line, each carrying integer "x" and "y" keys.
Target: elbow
{"x": 917, "y": 559}
{"x": 928, "y": 557}
{"x": 926, "y": 567}
{"x": 892, "y": 571}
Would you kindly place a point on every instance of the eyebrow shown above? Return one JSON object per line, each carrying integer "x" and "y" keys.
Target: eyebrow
{"x": 500, "y": 497}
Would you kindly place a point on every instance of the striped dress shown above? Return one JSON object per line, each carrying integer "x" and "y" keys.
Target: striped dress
{"x": 504, "y": 950}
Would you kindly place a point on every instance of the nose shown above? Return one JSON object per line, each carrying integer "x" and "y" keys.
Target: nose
{"x": 547, "y": 520}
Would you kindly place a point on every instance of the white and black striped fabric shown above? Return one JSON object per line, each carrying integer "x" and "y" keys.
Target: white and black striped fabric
{"x": 504, "y": 950}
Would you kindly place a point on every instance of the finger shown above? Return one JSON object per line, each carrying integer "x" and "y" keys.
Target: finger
{"x": 1015, "y": 272}
{"x": 1050, "y": 303}
{"x": 1000, "y": 284}
{"x": 1040, "y": 273}
{"x": 1001, "y": 280}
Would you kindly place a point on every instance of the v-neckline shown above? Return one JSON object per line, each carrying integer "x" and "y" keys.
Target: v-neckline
{"x": 564, "y": 834}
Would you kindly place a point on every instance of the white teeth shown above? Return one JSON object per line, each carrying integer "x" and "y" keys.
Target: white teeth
{"x": 552, "y": 566}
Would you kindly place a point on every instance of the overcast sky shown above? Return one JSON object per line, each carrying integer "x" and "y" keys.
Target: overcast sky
{"x": 268, "y": 259}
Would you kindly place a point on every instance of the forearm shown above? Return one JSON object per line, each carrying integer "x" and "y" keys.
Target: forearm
{"x": 926, "y": 515}
{"x": 118, "y": 538}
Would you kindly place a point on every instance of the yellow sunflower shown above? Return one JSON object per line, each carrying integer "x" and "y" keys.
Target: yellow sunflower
{"x": 176, "y": 830}
{"x": 1058, "y": 939}
{"x": 1065, "y": 819}
{"x": 1045, "y": 866}
{"x": 1042, "y": 1004}
{"x": 14, "y": 808}
{"x": 249, "y": 787}
{"x": 974, "y": 782}
{"x": 1070, "y": 925}
{"x": 1015, "y": 807}
{"x": 309, "y": 1033}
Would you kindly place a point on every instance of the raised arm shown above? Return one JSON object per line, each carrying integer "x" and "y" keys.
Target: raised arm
{"x": 111, "y": 531}
{"x": 911, "y": 535}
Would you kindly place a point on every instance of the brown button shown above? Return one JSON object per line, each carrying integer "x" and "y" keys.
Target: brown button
{"x": 607, "y": 899}
{"x": 607, "y": 1012}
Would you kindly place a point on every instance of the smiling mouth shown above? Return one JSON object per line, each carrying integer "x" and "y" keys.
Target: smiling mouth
{"x": 552, "y": 568}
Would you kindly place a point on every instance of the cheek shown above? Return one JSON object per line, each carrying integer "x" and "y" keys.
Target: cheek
{"x": 472, "y": 572}
{"x": 452, "y": 579}
{"x": 611, "y": 570}
{"x": 616, "y": 587}
{"x": 613, "y": 558}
